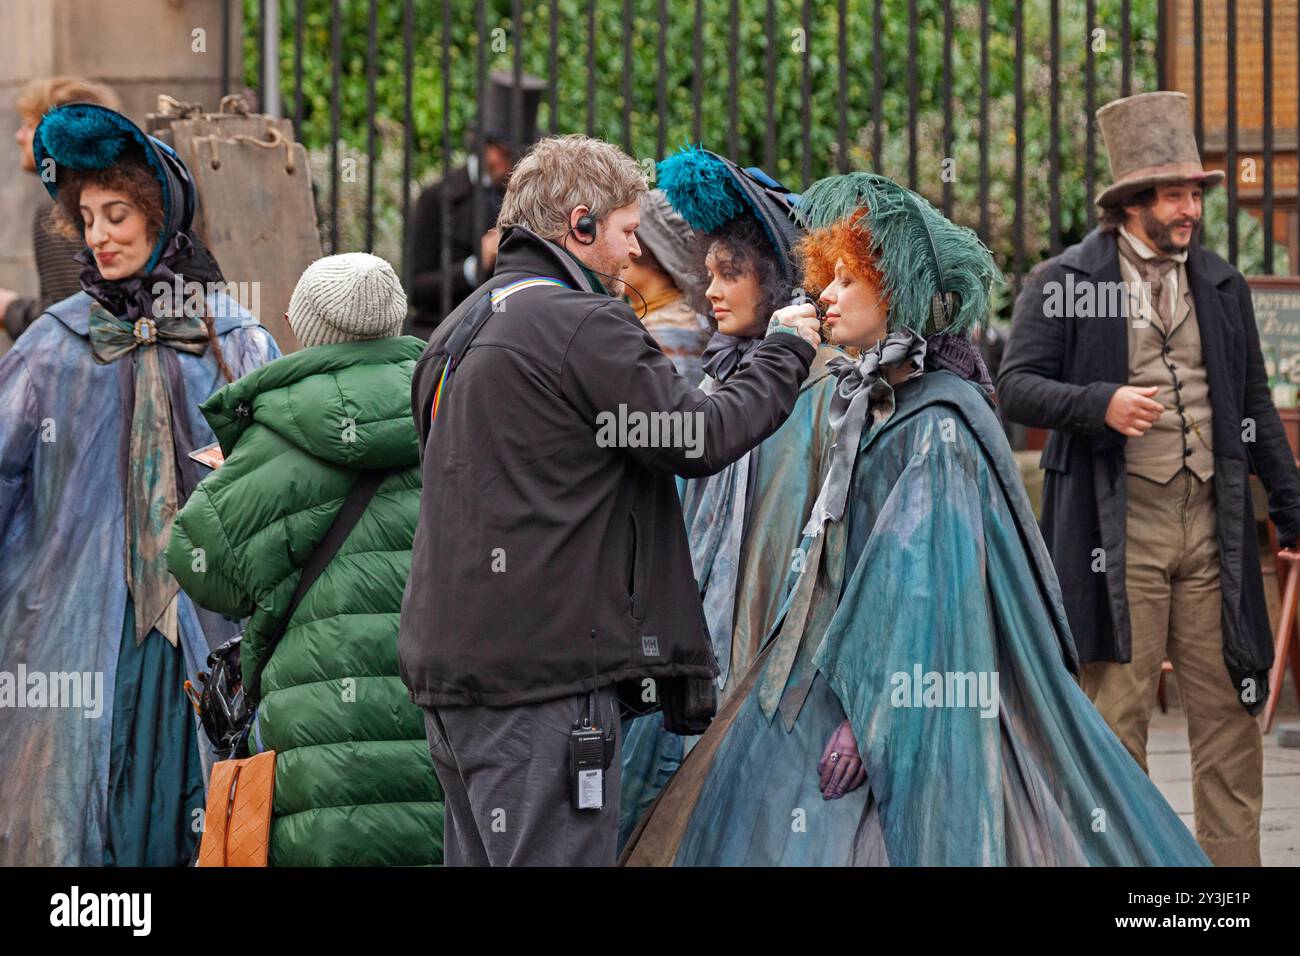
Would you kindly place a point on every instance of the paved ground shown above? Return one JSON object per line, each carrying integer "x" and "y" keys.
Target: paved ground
{"x": 1171, "y": 769}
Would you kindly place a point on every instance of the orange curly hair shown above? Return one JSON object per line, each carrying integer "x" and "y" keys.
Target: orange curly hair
{"x": 848, "y": 239}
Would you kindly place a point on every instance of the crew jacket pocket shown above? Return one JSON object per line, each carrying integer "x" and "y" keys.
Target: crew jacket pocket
{"x": 633, "y": 567}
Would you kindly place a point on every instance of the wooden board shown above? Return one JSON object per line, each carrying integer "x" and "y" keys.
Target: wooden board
{"x": 256, "y": 209}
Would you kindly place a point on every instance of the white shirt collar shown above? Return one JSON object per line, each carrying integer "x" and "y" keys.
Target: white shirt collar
{"x": 471, "y": 166}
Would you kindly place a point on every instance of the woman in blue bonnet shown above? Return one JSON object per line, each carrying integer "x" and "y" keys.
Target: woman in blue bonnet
{"x": 742, "y": 523}
{"x": 98, "y": 416}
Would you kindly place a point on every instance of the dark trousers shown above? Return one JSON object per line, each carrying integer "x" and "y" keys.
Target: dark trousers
{"x": 504, "y": 774}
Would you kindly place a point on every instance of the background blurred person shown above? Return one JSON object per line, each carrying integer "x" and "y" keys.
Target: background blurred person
{"x": 665, "y": 276}
{"x": 471, "y": 254}
{"x": 56, "y": 264}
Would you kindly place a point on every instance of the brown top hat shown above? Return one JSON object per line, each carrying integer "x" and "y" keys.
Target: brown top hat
{"x": 1149, "y": 141}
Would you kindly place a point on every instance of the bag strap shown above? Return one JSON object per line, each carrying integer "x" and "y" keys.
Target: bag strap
{"x": 363, "y": 489}
{"x": 459, "y": 341}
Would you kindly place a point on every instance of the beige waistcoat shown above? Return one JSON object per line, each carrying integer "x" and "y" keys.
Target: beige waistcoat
{"x": 1182, "y": 435}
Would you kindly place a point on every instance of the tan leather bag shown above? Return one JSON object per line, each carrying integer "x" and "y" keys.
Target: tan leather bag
{"x": 237, "y": 824}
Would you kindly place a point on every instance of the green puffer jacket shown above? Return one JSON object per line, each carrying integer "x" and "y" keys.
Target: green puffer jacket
{"x": 354, "y": 784}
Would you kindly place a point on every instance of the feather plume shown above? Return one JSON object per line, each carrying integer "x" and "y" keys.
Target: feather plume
{"x": 84, "y": 137}
{"x": 907, "y": 234}
{"x": 700, "y": 188}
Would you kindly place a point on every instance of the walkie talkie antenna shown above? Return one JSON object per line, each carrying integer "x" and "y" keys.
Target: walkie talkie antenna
{"x": 589, "y": 719}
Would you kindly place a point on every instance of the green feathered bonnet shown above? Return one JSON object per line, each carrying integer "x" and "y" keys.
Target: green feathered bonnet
{"x": 919, "y": 253}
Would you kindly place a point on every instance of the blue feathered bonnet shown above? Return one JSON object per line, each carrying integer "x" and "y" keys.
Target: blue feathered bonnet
{"x": 87, "y": 136}
{"x": 709, "y": 191}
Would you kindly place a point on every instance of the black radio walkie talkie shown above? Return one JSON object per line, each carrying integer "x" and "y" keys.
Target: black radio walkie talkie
{"x": 591, "y": 751}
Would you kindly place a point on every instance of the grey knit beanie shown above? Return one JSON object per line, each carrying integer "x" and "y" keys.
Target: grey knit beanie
{"x": 346, "y": 298}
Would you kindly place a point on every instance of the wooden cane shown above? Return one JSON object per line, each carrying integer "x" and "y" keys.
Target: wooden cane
{"x": 1285, "y": 634}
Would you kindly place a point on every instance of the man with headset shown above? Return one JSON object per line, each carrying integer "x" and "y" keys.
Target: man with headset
{"x": 550, "y": 561}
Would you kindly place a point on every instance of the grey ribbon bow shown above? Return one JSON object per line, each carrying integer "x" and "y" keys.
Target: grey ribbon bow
{"x": 724, "y": 355}
{"x": 860, "y": 387}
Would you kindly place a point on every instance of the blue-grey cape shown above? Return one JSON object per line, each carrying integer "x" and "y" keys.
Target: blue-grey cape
{"x": 787, "y": 472}
{"x": 63, "y": 593}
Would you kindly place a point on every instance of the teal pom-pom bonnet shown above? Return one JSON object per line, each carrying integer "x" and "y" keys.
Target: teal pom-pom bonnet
{"x": 87, "y": 136}
{"x": 709, "y": 191}
{"x": 927, "y": 260}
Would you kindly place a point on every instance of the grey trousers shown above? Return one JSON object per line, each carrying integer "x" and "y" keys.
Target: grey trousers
{"x": 504, "y": 774}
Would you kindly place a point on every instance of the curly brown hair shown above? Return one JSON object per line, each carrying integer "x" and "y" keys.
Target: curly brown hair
{"x": 743, "y": 246}
{"x": 131, "y": 176}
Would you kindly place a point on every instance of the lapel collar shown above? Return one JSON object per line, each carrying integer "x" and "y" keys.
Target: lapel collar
{"x": 1182, "y": 307}
{"x": 1093, "y": 255}
{"x": 1217, "y": 323}
{"x": 1104, "y": 339}
{"x": 523, "y": 250}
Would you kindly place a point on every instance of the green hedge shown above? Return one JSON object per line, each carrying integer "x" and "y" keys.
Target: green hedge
{"x": 820, "y": 52}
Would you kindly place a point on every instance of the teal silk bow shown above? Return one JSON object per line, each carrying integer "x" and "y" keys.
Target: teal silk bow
{"x": 152, "y": 483}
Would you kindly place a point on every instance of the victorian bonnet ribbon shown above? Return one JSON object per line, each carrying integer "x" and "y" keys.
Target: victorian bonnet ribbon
{"x": 154, "y": 447}
{"x": 724, "y": 355}
{"x": 860, "y": 390}
{"x": 860, "y": 387}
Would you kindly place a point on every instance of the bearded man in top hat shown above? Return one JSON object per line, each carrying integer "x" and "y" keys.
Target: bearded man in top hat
{"x": 473, "y": 245}
{"x": 1138, "y": 348}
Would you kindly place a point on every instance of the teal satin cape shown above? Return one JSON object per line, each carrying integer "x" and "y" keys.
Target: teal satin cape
{"x": 938, "y": 567}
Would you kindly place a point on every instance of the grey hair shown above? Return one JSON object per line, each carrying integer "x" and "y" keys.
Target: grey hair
{"x": 561, "y": 173}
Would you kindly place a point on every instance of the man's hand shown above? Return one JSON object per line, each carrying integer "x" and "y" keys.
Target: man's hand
{"x": 487, "y": 250}
{"x": 799, "y": 320}
{"x": 840, "y": 767}
{"x": 1132, "y": 410}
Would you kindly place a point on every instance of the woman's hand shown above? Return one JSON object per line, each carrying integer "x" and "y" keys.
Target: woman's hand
{"x": 840, "y": 767}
